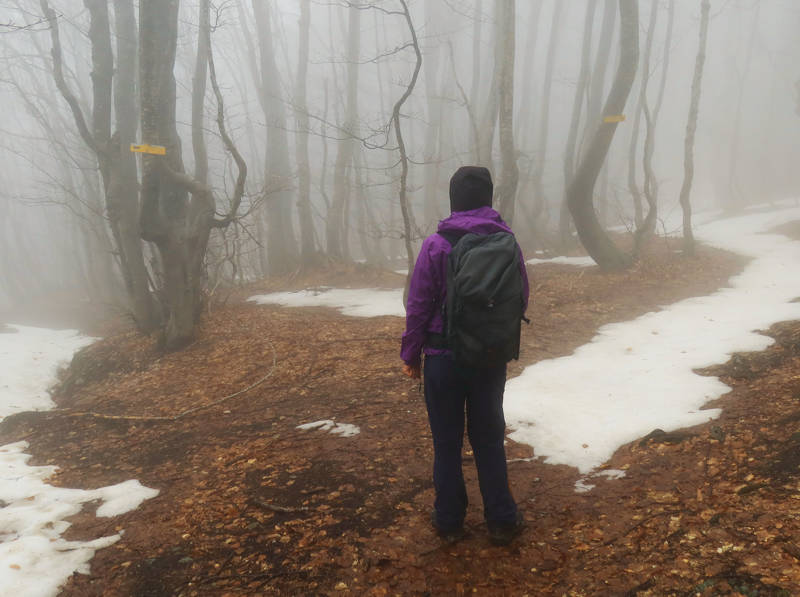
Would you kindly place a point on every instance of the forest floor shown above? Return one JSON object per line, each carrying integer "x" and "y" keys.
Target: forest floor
{"x": 249, "y": 504}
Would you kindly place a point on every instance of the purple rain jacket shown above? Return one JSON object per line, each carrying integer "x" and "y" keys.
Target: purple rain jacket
{"x": 428, "y": 288}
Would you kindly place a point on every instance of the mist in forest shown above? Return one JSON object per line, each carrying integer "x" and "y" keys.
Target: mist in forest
{"x": 341, "y": 123}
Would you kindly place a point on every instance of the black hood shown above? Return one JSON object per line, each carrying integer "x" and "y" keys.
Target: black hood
{"x": 470, "y": 188}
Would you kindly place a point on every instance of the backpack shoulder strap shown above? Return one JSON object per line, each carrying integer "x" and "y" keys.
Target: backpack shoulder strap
{"x": 451, "y": 236}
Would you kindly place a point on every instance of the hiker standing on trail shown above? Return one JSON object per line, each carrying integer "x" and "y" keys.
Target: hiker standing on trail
{"x": 468, "y": 295}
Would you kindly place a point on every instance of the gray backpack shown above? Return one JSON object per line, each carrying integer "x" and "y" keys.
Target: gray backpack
{"x": 484, "y": 307}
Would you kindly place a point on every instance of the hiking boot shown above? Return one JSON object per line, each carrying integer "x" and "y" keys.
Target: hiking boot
{"x": 503, "y": 534}
{"x": 448, "y": 535}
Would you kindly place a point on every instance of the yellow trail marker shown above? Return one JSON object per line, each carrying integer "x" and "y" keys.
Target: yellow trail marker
{"x": 154, "y": 149}
{"x": 615, "y": 118}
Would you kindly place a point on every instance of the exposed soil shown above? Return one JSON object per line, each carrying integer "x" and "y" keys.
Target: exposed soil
{"x": 251, "y": 505}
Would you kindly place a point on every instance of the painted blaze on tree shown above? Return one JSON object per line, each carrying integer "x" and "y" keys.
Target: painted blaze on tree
{"x": 177, "y": 210}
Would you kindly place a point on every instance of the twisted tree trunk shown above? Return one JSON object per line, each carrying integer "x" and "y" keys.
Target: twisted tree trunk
{"x": 580, "y": 191}
{"x": 564, "y": 222}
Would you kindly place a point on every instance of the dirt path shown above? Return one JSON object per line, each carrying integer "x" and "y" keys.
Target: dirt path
{"x": 250, "y": 504}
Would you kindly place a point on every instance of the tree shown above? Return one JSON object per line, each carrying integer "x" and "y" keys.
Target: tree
{"x": 488, "y": 124}
{"x": 540, "y": 157}
{"x": 474, "y": 93}
{"x": 580, "y": 191}
{"x": 691, "y": 129}
{"x": 405, "y": 209}
{"x": 336, "y": 223}
{"x": 577, "y": 104}
{"x": 307, "y": 245}
{"x": 736, "y": 196}
{"x": 117, "y": 167}
{"x": 509, "y": 176}
{"x": 281, "y": 241}
{"x": 641, "y": 107}
{"x": 178, "y": 211}
{"x": 648, "y": 225}
{"x": 595, "y": 89}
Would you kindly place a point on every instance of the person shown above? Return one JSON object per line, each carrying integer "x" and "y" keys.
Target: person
{"x": 449, "y": 385}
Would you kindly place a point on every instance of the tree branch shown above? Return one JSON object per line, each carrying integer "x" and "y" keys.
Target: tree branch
{"x": 58, "y": 75}
{"x": 241, "y": 166}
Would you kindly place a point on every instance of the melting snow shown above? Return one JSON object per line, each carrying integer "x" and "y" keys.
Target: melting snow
{"x": 638, "y": 375}
{"x": 34, "y": 559}
{"x": 356, "y": 302}
{"x": 343, "y": 429}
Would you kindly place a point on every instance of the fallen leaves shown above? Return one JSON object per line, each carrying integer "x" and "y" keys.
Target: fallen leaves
{"x": 251, "y": 506}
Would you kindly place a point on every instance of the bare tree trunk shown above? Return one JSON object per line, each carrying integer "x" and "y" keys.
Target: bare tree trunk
{"x": 490, "y": 114}
{"x": 282, "y": 250}
{"x": 572, "y": 136}
{"x": 165, "y": 203}
{"x": 250, "y": 56}
{"x": 408, "y": 224}
{"x": 199, "y": 96}
{"x": 336, "y": 226}
{"x": 736, "y": 197}
{"x": 434, "y": 85}
{"x": 597, "y": 84}
{"x": 122, "y": 201}
{"x": 179, "y": 226}
{"x": 644, "y": 225}
{"x": 525, "y": 117}
{"x": 691, "y": 129}
{"x": 509, "y": 177}
{"x": 580, "y": 191}
{"x": 307, "y": 248}
{"x": 474, "y": 95}
{"x": 117, "y": 166}
{"x": 540, "y": 159}
{"x": 648, "y": 226}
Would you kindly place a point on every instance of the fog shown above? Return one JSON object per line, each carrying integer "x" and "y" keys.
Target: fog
{"x": 57, "y": 237}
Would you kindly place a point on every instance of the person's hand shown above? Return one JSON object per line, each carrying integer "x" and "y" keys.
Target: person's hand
{"x": 412, "y": 371}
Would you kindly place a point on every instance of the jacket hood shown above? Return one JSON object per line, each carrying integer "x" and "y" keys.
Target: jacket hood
{"x": 483, "y": 220}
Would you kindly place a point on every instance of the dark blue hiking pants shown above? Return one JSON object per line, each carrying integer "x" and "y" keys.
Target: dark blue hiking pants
{"x": 448, "y": 389}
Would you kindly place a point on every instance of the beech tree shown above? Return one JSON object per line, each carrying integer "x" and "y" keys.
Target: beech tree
{"x": 691, "y": 130}
{"x": 116, "y": 165}
{"x": 647, "y": 227}
{"x": 405, "y": 209}
{"x": 308, "y": 251}
{"x": 540, "y": 157}
{"x": 564, "y": 222}
{"x": 336, "y": 223}
{"x": 281, "y": 242}
{"x": 580, "y": 191}
{"x": 506, "y": 192}
{"x": 178, "y": 211}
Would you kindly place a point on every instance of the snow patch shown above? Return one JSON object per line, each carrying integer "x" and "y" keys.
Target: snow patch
{"x": 34, "y": 558}
{"x": 355, "y": 302}
{"x": 576, "y": 261}
{"x": 29, "y": 362}
{"x": 343, "y": 429}
{"x": 583, "y": 485}
{"x": 637, "y": 375}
